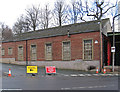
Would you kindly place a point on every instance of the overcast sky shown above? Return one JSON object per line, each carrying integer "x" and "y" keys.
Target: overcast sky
{"x": 10, "y": 10}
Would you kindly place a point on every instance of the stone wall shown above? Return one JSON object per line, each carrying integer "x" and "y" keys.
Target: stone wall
{"x": 7, "y": 60}
{"x": 73, "y": 65}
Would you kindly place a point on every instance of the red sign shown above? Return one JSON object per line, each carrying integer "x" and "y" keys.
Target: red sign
{"x": 50, "y": 69}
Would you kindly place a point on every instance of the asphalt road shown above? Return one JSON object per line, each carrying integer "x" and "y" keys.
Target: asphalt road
{"x": 21, "y": 81}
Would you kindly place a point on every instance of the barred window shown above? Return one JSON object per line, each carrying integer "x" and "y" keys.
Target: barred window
{"x": 66, "y": 51}
{"x": 3, "y": 51}
{"x": 33, "y": 52}
{"x": 9, "y": 51}
{"x": 88, "y": 50}
{"x": 48, "y": 52}
{"x": 20, "y": 53}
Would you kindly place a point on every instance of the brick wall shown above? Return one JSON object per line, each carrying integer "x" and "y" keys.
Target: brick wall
{"x": 76, "y": 46}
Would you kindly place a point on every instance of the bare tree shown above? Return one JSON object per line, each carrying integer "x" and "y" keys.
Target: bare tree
{"x": 73, "y": 12}
{"x": 45, "y": 17}
{"x": 77, "y": 11}
{"x": 33, "y": 15}
{"x": 21, "y": 25}
{"x": 60, "y": 12}
{"x": 98, "y": 8}
{"x": 6, "y": 32}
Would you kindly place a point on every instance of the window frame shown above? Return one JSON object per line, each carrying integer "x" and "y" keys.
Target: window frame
{"x": 46, "y": 51}
{"x": 31, "y": 52}
{"x": 18, "y": 52}
{"x": 62, "y": 50}
{"x": 2, "y": 51}
{"x": 9, "y": 51}
{"x": 92, "y": 50}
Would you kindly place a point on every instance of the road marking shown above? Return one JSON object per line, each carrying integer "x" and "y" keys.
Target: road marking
{"x": 66, "y": 75}
{"x": 73, "y": 75}
{"x": 77, "y": 87}
{"x": 109, "y": 74}
{"x": 81, "y": 74}
{"x": 88, "y": 74}
{"x": 65, "y": 88}
{"x": 10, "y": 89}
{"x": 103, "y": 86}
{"x": 95, "y": 74}
{"x": 116, "y": 74}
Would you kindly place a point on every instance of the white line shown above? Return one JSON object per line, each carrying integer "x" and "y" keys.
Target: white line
{"x": 10, "y": 89}
{"x": 95, "y": 74}
{"x": 88, "y": 74}
{"x": 73, "y": 75}
{"x": 116, "y": 74}
{"x": 86, "y": 87}
{"x": 109, "y": 74}
{"x": 81, "y": 75}
{"x": 91, "y": 87}
{"x": 66, "y": 75}
{"x": 77, "y": 87}
{"x": 65, "y": 88}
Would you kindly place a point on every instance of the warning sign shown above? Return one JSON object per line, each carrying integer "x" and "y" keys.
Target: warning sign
{"x": 50, "y": 69}
{"x": 31, "y": 69}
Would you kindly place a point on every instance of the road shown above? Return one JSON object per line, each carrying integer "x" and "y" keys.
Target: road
{"x": 21, "y": 81}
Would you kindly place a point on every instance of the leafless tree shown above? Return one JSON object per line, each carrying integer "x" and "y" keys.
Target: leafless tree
{"x": 33, "y": 15}
{"x": 6, "y": 32}
{"x": 73, "y": 12}
{"x": 77, "y": 11}
{"x": 98, "y": 8}
{"x": 21, "y": 25}
{"x": 45, "y": 17}
{"x": 60, "y": 12}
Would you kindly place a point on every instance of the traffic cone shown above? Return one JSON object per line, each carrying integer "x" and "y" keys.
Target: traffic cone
{"x": 9, "y": 74}
{"x": 97, "y": 70}
{"x": 104, "y": 71}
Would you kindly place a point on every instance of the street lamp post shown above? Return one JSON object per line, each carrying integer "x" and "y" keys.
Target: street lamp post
{"x": 113, "y": 54}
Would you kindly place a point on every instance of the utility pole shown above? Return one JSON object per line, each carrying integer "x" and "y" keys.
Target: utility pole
{"x": 113, "y": 54}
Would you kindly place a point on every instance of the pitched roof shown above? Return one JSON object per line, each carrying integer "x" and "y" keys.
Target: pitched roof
{"x": 83, "y": 27}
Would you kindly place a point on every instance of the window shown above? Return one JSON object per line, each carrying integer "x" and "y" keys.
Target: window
{"x": 48, "y": 51}
{"x": 9, "y": 51}
{"x": 3, "y": 51}
{"x": 66, "y": 51}
{"x": 20, "y": 53}
{"x": 33, "y": 52}
{"x": 88, "y": 50}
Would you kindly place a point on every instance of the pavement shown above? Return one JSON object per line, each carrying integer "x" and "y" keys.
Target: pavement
{"x": 60, "y": 72}
{"x": 21, "y": 71}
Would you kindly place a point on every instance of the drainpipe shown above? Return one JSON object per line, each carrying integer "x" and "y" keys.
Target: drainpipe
{"x": 101, "y": 48}
{"x": 26, "y": 54}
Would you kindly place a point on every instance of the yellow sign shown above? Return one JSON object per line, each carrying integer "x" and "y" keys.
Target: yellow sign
{"x": 31, "y": 69}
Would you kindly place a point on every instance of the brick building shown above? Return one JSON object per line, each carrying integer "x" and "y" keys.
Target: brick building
{"x": 80, "y": 41}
